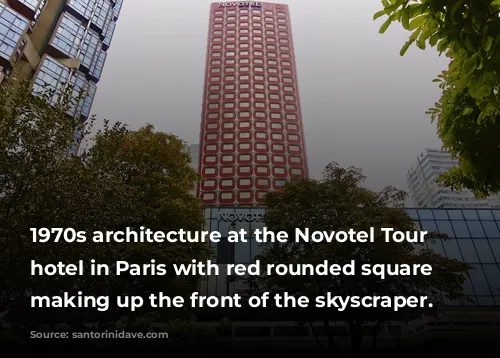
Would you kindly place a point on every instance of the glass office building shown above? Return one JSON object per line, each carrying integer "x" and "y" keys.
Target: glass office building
{"x": 56, "y": 44}
{"x": 474, "y": 237}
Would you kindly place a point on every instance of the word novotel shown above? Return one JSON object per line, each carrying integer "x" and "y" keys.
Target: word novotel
{"x": 240, "y": 4}
{"x": 248, "y": 217}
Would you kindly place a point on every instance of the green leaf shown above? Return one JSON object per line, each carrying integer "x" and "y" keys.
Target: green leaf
{"x": 467, "y": 111}
{"x": 405, "y": 48}
{"x": 415, "y": 10}
{"x": 388, "y": 10}
{"x": 405, "y": 18}
{"x": 385, "y": 25}
{"x": 459, "y": 4}
{"x": 417, "y": 22}
{"x": 469, "y": 45}
{"x": 434, "y": 39}
{"x": 442, "y": 45}
{"x": 487, "y": 43}
{"x": 421, "y": 42}
{"x": 483, "y": 92}
{"x": 378, "y": 14}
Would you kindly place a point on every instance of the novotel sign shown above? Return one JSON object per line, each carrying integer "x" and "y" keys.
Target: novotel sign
{"x": 241, "y": 4}
{"x": 248, "y": 217}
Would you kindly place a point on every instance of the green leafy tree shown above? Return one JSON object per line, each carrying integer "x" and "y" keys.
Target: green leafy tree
{"x": 340, "y": 203}
{"x": 468, "y": 32}
{"x": 124, "y": 179}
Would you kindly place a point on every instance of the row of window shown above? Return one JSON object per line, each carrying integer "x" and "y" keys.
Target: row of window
{"x": 463, "y": 229}
{"x": 244, "y": 118}
{"x": 257, "y": 105}
{"x": 68, "y": 40}
{"x": 246, "y": 11}
{"x": 230, "y": 197}
{"x": 31, "y": 4}
{"x": 256, "y": 78}
{"x": 249, "y": 158}
{"x": 257, "y": 96}
{"x": 257, "y": 137}
{"x": 443, "y": 214}
{"x": 242, "y": 184}
{"x": 245, "y": 61}
{"x": 269, "y": 45}
{"x": 271, "y": 71}
{"x": 255, "y": 45}
{"x": 101, "y": 13}
{"x": 257, "y": 18}
{"x": 250, "y": 170}
{"x": 468, "y": 250}
{"x": 244, "y": 34}
{"x": 245, "y": 147}
{"x": 12, "y": 27}
{"x": 52, "y": 75}
{"x": 248, "y": 25}
{"x": 255, "y": 53}
{"x": 97, "y": 11}
{"x": 245, "y": 86}
{"x": 211, "y": 158}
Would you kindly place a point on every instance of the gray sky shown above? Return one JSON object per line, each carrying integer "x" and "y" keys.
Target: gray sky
{"x": 362, "y": 104}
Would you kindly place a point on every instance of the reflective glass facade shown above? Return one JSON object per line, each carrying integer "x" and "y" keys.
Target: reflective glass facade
{"x": 474, "y": 237}
{"x": 68, "y": 36}
{"x": 74, "y": 51}
{"x": 81, "y": 34}
{"x": 84, "y": 32}
{"x": 251, "y": 138}
{"x": 12, "y": 27}
{"x": 52, "y": 74}
{"x": 27, "y": 8}
{"x": 31, "y": 4}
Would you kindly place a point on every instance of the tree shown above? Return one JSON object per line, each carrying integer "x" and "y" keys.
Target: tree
{"x": 125, "y": 179}
{"x": 468, "y": 32}
{"x": 339, "y": 203}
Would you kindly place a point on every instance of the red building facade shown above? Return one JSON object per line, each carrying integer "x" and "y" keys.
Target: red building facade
{"x": 251, "y": 135}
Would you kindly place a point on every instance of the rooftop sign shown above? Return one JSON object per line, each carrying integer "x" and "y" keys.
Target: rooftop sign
{"x": 241, "y": 4}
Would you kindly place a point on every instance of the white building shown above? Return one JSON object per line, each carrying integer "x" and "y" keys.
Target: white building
{"x": 427, "y": 193}
{"x": 194, "y": 150}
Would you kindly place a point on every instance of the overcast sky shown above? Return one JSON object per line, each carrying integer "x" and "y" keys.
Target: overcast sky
{"x": 362, "y": 104}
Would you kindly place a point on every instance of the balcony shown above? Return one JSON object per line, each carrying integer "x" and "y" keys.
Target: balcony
{"x": 67, "y": 42}
{"x": 12, "y": 28}
{"x": 53, "y": 75}
{"x": 27, "y": 8}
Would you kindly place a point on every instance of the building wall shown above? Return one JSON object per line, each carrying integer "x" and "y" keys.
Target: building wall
{"x": 251, "y": 137}
{"x": 425, "y": 192}
{"x": 58, "y": 43}
{"x": 474, "y": 237}
{"x": 194, "y": 151}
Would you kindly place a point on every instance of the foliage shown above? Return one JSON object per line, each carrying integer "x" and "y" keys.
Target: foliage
{"x": 339, "y": 203}
{"x": 125, "y": 179}
{"x": 468, "y": 32}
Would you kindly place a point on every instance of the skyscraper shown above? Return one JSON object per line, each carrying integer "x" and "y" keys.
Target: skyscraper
{"x": 57, "y": 43}
{"x": 251, "y": 135}
{"x": 427, "y": 193}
